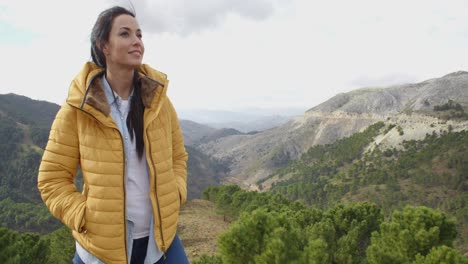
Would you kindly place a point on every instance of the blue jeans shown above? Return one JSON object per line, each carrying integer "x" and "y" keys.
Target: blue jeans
{"x": 174, "y": 255}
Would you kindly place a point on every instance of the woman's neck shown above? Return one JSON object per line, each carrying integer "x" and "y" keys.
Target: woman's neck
{"x": 120, "y": 79}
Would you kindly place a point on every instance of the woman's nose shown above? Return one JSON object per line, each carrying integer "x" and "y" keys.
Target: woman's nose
{"x": 137, "y": 41}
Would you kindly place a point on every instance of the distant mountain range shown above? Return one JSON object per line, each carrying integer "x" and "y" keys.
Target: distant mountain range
{"x": 244, "y": 120}
{"x": 196, "y": 134}
{"x": 410, "y": 106}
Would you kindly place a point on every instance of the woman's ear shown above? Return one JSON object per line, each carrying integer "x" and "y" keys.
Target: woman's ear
{"x": 105, "y": 51}
{"x": 104, "y": 47}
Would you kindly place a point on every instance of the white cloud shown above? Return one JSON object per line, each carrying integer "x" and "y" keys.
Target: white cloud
{"x": 233, "y": 54}
{"x": 186, "y": 16}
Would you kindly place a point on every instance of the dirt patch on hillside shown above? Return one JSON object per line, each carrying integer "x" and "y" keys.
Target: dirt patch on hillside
{"x": 199, "y": 228}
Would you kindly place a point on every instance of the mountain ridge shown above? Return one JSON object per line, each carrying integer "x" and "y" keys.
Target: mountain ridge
{"x": 253, "y": 157}
{"x": 414, "y": 97}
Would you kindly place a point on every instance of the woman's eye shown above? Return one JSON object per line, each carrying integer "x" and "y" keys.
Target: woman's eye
{"x": 139, "y": 36}
{"x": 124, "y": 34}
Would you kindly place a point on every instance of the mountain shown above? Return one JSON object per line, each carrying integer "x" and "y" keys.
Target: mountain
{"x": 254, "y": 125}
{"x": 35, "y": 117}
{"x": 220, "y": 133}
{"x": 409, "y": 98}
{"x": 196, "y": 134}
{"x": 429, "y": 172}
{"x": 27, "y": 111}
{"x": 413, "y": 107}
{"x": 244, "y": 120}
{"x": 193, "y": 131}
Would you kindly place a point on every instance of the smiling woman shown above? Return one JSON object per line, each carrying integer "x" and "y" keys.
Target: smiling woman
{"x": 121, "y": 129}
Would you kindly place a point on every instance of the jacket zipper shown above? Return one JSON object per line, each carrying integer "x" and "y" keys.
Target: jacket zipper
{"x": 163, "y": 246}
{"x": 125, "y": 209}
{"x": 125, "y": 196}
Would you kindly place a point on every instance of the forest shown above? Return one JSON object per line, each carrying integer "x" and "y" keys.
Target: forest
{"x": 270, "y": 228}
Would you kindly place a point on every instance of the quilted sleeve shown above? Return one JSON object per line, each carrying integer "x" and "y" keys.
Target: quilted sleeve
{"x": 179, "y": 155}
{"x": 58, "y": 169}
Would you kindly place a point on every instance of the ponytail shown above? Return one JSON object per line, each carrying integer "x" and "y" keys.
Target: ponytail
{"x": 135, "y": 116}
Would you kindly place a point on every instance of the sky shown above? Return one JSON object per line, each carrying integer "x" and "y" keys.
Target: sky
{"x": 233, "y": 54}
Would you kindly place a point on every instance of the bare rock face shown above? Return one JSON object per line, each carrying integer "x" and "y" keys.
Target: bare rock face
{"x": 395, "y": 99}
{"x": 254, "y": 157}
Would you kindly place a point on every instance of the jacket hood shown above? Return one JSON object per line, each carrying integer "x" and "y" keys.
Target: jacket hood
{"x": 87, "y": 93}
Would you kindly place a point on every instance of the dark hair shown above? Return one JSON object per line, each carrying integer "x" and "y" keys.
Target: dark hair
{"x": 99, "y": 36}
{"x": 101, "y": 31}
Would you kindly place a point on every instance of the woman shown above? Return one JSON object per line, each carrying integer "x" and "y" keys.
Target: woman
{"x": 121, "y": 129}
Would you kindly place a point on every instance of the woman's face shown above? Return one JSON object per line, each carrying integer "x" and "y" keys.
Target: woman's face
{"x": 125, "y": 47}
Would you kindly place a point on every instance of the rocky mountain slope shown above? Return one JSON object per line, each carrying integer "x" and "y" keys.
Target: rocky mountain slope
{"x": 409, "y": 106}
{"x": 418, "y": 97}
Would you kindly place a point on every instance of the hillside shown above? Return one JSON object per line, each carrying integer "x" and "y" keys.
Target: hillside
{"x": 429, "y": 172}
{"x": 27, "y": 111}
{"x": 412, "y": 106}
{"x": 203, "y": 171}
{"x": 272, "y": 229}
{"x": 336, "y": 195}
{"x": 193, "y": 131}
{"x": 418, "y": 97}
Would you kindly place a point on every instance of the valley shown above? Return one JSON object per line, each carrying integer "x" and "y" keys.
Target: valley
{"x": 392, "y": 147}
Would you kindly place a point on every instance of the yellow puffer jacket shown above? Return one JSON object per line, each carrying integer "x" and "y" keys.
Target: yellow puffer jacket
{"x": 85, "y": 134}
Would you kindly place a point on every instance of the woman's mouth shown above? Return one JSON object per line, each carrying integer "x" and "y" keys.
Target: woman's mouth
{"x": 135, "y": 52}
